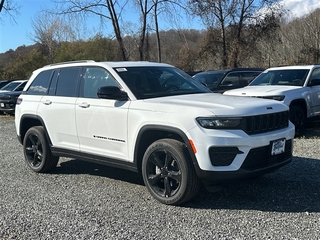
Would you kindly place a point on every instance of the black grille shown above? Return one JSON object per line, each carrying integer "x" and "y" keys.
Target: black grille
{"x": 223, "y": 156}
{"x": 265, "y": 123}
{"x": 259, "y": 158}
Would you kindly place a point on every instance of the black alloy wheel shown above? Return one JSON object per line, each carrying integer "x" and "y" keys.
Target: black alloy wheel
{"x": 168, "y": 172}
{"x": 37, "y": 152}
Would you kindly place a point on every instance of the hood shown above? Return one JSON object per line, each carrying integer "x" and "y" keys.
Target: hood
{"x": 269, "y": 90}
{"x": 8, "y": 94}
{"x": 217, "y": 104}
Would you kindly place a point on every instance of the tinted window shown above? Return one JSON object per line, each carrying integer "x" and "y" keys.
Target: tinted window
{"x": 68, "y": 82}
{"x": 40, "y": 84}
{"x": 232, "y": 79}
{"x": 209, "y": 79}
{"x": 315, "y": 74}
{"x": 93, "y": 79}
{"x": 291, "y": 77}
{"x": 20, "y": 88}
{"x": 149, "y": 82}
{"x": 11, "y": 86}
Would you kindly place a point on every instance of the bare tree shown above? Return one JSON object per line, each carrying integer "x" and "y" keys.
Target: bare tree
{"x": 50, "y": 31}
{"x": 106, "y": 9}
{"x": 9, "y": 7}
{"x": 232, "y": 16}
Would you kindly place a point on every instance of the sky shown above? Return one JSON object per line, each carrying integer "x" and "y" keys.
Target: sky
{"x": 19, "y": 33}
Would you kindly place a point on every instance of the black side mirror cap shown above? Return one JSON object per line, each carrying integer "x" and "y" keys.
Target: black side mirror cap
{"x": 112, "y": 92}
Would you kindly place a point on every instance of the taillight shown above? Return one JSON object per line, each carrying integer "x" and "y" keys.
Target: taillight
{"x": 19, "y": 101}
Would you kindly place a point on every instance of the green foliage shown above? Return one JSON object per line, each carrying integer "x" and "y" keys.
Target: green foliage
{"x": 97, "y": 48}
{"x": 22, "y": 64}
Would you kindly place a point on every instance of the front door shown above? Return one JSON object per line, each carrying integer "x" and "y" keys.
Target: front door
{"x": 101, "y": 123}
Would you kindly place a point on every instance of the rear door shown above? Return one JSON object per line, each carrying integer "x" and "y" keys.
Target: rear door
{"x": 57, "y": 109}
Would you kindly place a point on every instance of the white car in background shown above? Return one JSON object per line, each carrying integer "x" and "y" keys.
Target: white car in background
{"x": 296, "y": 86}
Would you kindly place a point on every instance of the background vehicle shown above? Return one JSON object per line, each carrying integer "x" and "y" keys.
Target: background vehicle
{"x": 12, "y": 86}
{"x": 150, "y": 118}
{"x": 9, "y": 95}
{"x": 222, "y": 80}
{"x": 296, "y": 86}
{"x": 3, "y": 83}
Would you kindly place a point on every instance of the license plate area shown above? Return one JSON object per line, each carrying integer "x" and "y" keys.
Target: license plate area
{"x": 278, "y": 146}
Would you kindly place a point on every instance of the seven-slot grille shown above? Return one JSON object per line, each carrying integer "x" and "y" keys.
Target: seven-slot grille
{"x": 265, "y": 123}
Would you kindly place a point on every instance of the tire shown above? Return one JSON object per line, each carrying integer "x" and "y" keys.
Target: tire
{"x": 168, "y": 172}
{"x": 298, "y": 118}
{"x": 37, "y": 152}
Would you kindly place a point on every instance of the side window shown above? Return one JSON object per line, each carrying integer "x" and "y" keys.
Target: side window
{"x": 315, "y": 74}
{"x": 40, "y": 84}
{"x": 247, "y": 77}
{"x": 20, "y": 88}
{"x": 231, "y": 80}
{"x": 93, "y": 79}
{"x": 68, "y": 82}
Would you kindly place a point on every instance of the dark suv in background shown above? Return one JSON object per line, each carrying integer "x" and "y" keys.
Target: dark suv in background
{"x": 223, "y": 80}
{"x": 9, "y": 95}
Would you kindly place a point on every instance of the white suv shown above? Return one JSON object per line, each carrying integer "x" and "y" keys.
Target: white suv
{"x": 150, "y": 118}
{"x": 296, "y": 86}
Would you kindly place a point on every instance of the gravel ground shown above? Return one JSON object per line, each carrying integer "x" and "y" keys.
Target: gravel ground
{"x": 81, "y": 200}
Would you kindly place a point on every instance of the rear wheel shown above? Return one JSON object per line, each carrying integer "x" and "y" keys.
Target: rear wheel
{"x": 37, "y": 152}
{"x": 298, "y": 118}
{"x": 168, "y": 172}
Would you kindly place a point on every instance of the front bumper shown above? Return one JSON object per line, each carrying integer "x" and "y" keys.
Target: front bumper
{"x": 224, "y": 156}
{"x": 7, "y": 106}
{"x": 257, "y": 162}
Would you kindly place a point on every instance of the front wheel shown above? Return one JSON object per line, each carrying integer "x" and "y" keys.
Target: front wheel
{"x": 297, "y": 117}
{"x": 168, "y": 172}
{"x": 37, "y": 152}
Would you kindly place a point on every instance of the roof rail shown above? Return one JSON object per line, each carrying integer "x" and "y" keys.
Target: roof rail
{"x": 70, "y": 62}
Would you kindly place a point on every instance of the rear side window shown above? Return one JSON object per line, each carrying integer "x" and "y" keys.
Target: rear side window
{"x": 40, "y": 84}
{"x": 68, "y": 82}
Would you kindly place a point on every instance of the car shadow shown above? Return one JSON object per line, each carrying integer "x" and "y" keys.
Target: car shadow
{"x": 312, "y": 130}
{"x": 75, "y": 166}
{"x": 292, "y": 188}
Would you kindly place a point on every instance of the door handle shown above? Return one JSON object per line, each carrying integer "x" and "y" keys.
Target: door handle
{"x": 47, "y": 102}
{"x": 84, "y": 105}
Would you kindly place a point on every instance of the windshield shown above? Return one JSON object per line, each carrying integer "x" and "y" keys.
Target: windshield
{"x": 150, "y": 82}
{"x": 211, "y": 80}
{"x": 288, "y": 77}
{"x": 10, "y": 86}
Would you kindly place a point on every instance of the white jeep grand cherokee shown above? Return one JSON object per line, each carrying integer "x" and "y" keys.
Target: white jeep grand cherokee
{"x": 296, "y": 86}
{"x": 150, "y": 118}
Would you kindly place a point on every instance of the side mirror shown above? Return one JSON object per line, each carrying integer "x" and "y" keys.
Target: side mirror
{"x": 314, "y": 82}
{"x": 112, "y": 92}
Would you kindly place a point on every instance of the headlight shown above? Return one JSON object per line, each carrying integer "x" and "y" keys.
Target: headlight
{"x": 276, "y": 97}
{"x": 219, "y": 123}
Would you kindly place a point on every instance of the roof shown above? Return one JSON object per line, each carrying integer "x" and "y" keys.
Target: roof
{"x": 223, "y": 71}
{"x": 294, "y": 67}
{"x": 108, "y": 63}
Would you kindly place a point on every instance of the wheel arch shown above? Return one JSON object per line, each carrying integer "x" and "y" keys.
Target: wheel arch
{"x": 28, "y": 121}
{"x": 150, "y": 133}
{"x": 300, "y": 103}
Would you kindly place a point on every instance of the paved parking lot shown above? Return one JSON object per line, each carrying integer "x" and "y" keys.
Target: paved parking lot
{"x": 81, "y": 200}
